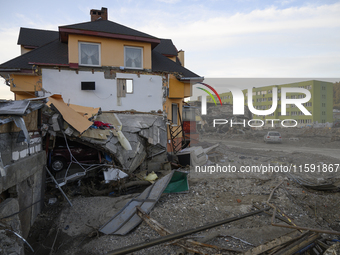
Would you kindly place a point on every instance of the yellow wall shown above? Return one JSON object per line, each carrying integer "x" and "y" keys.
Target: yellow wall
{"x": 177, "y": 92}
{"x": 25, "y": 85}
{"x": 24, "y": 50}
{"x": 24, "y": 95}
{"x": 172, "y": 58}
{"x": 168, "y": 110}
{"x": 181, "y": 56}
{"x": 176, "y": 88}
{"x": 112, "y": 50}
{"x": 187, "y": 90}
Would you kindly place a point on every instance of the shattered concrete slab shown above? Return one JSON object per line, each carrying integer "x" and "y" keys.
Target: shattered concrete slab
{"x": 146, "y": 134}
{"x": 14, "y": 107}
{"x": 129, "y": 139}
{"x": 127, "y": 219}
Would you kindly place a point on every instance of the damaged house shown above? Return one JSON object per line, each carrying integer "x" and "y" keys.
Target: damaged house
{"x": 100, "y": 84}
{"x": 103, "y": 64}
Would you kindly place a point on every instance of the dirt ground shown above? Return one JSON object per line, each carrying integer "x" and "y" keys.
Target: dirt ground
{"x": 212, "y": 197}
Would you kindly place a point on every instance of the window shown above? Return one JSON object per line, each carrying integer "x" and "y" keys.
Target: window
{"x": 124, "y": 86}
{"x": 174, "y": 113}
{"x": 89, "y": 54}
{"x": 133, "y": 57}
{"x": 129, "y": 86}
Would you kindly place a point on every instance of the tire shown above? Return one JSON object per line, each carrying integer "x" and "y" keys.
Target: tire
{"x": 58, "y": 164}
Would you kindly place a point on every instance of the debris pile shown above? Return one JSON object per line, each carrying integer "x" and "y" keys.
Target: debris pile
{"x": 127, "y": 140}
{"x": 335, "y": 135}
{"x": 128, "y": 203}
{"x": 224, "y": 112}
{"x": 317, "y": 132}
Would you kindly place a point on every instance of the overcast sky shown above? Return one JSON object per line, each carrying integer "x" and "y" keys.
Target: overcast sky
{"x": 234, "y": 38}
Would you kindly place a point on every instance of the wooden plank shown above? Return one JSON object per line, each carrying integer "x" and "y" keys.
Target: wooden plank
{"x": 121, "y": 87}
{"x": 72, "y": 117}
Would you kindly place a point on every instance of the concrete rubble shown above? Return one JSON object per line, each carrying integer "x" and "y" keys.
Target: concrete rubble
{"x": 144, "y": 135}
{"x": 222, "y": 112}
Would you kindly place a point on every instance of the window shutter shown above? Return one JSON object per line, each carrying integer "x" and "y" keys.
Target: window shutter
{"x": 121, "y": 87}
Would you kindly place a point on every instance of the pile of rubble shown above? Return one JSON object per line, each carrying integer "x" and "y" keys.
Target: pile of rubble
{"x": 332, "y": 133}
{"x": 223, "y": 112}
{"x": 213, "y": 214}
{"x": 317, "y": 132}
{"x": 335, "y": 135}
{"x": 129, "y": 140}
{"x": 133, "y": 200}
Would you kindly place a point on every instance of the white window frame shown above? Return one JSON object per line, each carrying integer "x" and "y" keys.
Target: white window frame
{"x": 132, "y": 47}
{"x": 79, "y": 53}
{"x": 127, "y": 80}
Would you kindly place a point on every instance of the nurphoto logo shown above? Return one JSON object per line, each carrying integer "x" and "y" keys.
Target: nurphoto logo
{"x": 238, "y": 105}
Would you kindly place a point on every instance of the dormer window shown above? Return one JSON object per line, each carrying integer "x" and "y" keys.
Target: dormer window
{"x": 89, "y": 54}
{"x": 133, "y": 57}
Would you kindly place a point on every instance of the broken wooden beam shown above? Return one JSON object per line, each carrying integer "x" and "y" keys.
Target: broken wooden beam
{"x": 189, "y": 245}
{"x": 164, "y": 239}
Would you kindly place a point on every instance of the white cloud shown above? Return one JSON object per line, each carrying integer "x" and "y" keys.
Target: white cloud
{"x": 217, "y": 28}
{"x": 296, "y": 41}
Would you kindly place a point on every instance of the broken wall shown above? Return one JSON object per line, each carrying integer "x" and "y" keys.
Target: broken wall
{"x": 12, "y": 140}
{"x": 147, "y": 92}
{"x": 25, "y": 180}
{"x": 147, "y": 136}
{"x": 21, "y": 167}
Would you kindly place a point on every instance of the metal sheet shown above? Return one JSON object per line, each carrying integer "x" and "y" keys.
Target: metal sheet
{"x": 5, "y": 121}
{"x": 20, "y": 123}
{"x": 127, "y": 219}
{"x": 14, "y": 107}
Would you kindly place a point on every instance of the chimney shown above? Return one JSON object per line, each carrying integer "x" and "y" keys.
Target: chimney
{"x": 181, "y": 56}
{"x": 98, "y": 14}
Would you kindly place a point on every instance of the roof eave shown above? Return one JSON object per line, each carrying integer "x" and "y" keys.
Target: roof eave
{"x": 4, "y": 70}
{"x": 65, "y": 31}
{"x": 169, "y": 55}
{"x": 191, "y": 79}
{"x": 29, "y": 46}
{"x": 47, "y": 64}
{"x": 17, "y": 71}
